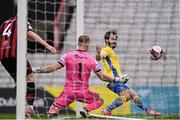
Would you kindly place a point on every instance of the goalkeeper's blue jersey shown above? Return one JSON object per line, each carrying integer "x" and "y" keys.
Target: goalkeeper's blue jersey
{"x": 112, "y": 67}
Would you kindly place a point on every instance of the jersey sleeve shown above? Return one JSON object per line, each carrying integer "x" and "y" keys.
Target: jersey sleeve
{"x": 104, "y": 53}
{"x": 62, "y": 59}
{"x": 29, "y": 27}
{"x": 96, "y": 66}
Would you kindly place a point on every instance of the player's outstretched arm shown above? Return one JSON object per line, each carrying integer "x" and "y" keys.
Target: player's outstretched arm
{"x": 105, "y": 77}
{"x": 98, "y": 50}
{"x": 108, "y": 78}
{"x": 32, "y": 35}
{"x": 48, "y": 69}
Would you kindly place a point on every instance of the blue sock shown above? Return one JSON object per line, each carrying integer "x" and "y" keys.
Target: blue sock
{"x": 116, "y": 103}
{"x": 140, "y": 104}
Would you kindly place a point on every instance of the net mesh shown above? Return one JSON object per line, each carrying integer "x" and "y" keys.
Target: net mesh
{"x": 140, "y": 24}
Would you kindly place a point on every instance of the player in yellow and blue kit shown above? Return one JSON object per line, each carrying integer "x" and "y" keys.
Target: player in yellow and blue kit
{"x": 112, "y": 67}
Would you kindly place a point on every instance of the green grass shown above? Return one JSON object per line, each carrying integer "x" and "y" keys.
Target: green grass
{"x": 7, "y": 116}
{"x": 72, "y": 117}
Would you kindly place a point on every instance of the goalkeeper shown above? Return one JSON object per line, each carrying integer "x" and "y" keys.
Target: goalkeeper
{"x": 112, "y": 67}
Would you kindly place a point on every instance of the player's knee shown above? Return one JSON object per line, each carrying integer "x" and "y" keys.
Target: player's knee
{"x": 136, "y": 99}
{"x": 101, "y": 100}
{"x": 120, "y": 100}
{"x": 125, "y": 95}
{"x": 123, "y": 99}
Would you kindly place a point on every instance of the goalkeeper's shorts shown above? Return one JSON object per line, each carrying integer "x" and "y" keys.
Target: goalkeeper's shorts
{"x": 67, "y": 97}
{"x": 117, "y": 86}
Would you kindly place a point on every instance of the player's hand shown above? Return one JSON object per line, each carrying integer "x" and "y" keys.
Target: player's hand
{"x": 36, "y": 70}
{"x": 52, "y": 49}
{"x": 98, "y": 49}
{"x": 123, "y": 79}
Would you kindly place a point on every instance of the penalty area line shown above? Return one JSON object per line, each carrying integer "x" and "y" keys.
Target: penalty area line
{"x": 113, "y": 117}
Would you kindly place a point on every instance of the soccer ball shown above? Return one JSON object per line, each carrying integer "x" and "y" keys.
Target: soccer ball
{"x": 155, "y": 52}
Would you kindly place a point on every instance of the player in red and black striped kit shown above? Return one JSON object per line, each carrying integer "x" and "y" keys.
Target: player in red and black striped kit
{"x": 8, "y": 45}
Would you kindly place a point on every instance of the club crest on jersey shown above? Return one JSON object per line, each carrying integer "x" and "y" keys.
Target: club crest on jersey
{"x": 76, "y": 56}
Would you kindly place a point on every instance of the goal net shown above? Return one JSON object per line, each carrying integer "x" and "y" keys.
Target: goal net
{"x": 140, "y": 24}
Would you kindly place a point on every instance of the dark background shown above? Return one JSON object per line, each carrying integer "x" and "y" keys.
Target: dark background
{"x": 8, "y": 9}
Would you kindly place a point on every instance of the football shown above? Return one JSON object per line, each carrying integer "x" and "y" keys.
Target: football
{"x": 155, "y": 52}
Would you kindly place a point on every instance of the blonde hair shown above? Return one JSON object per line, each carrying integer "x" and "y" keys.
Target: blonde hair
{"x": 83, "y": 39}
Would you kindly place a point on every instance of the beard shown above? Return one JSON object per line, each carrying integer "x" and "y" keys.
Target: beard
{"x": 112, "y": 45}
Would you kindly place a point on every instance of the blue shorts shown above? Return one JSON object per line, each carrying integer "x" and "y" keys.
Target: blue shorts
{"x": 117, "y": 86}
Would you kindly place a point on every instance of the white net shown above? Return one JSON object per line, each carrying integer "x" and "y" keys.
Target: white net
{"x": 140, "y": 24}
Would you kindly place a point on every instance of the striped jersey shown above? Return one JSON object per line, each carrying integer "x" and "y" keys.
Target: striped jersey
{"x": 8, "y": 37}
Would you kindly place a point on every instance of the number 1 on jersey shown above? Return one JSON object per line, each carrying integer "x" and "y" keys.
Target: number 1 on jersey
{"x": 80, "y": 70}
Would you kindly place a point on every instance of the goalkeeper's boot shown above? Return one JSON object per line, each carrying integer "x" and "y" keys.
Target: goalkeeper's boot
{"x": 153, "y": 113}
{"x": 84, "y": 112}
{"x": 53, "y": 111}
{"x": 106, "y": 112}
{"x": 30, "y": 111}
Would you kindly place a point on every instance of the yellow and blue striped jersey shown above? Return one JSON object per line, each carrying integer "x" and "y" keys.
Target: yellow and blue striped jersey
{"x": 110, "y": 62}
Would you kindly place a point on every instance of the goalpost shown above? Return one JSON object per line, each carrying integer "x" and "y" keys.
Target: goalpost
{"x": 79, "y": 31}
{"x": 21, "y": 59}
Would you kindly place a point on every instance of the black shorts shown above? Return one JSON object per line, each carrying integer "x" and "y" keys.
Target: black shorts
{"x": 10, "y": 65}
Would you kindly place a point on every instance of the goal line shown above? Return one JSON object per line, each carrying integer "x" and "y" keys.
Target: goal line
{"x": 114, "y": 117}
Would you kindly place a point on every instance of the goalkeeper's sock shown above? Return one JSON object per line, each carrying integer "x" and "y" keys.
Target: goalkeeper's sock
{"x": 30, "y": 93}
{"x": 94, "y": 105}
{"x": 140, "y": 103}
{"x": 116, "y": 103}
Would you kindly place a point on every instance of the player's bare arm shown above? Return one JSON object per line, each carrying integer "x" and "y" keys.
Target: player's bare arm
{"x": 104, "y": 77}
{"x": 123, "y": 79}
{"x": 48, "y": 69}
{"x": 98, "y": 56}
{"x": 108, "y": 78}
{"x": 37, "y": 38}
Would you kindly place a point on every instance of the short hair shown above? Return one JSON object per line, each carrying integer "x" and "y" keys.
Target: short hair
{"x": 83, "y": 39}
{"x": 107, "y": 34}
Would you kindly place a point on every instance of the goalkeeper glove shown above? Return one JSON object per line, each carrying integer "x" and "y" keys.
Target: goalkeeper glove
{"x": 36, "y": 70}
{"x": 123, "y": 79}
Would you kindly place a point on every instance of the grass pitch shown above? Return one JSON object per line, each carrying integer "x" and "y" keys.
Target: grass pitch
{"x": 72, "y": 117}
